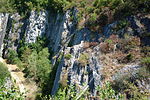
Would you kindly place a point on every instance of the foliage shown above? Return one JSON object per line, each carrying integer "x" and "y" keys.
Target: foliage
{"x": 43, "y": 66}
{"x": 68, "y": 56}
{"x": 64, "y": 79}
{"x": 65, "y": 94}
{"x": 122, "y": 24}
{"x": 6, "y": 6}
{"x": 40, "y": 43}
{"x": 12, "y": 56}
{"x": 130, "y": 90}
{"x": 4, "y": 73}
{"x": 106, "y": 92}
{"x": 10, "y": 94}
{"x": 146, "y": 62}
{"x": 127, "y": 46}
{"x": 38, "y": 66}
{"x": 96, "y": 12}
{"x": 83, "y": 59}
{"x": 70, "y": 93}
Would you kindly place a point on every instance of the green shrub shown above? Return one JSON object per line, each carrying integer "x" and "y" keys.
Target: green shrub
{"x": 146, "y": 61}
{"x": 38, "y": 66}
{"x": 64, "y": 80}
{"x": 10, "y": 94}
{"x": 70, "y": 93}
{"x": 133, "y": 92}
{"x": 83, "y": 59}
{"x": 122, "y": 24}
{"x": 6, "y": 6}
{"x": 68, "y": 56}
{"x": 12, "y": 56}
{"x": 108, "y": 93}
{"x": 128, "y": 85}
{"x": 4, "y": 73}
{"x": 109, "y": 41}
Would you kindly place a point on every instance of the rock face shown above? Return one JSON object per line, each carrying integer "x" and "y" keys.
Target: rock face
{"x": 14, "y": 33}
{"x": 60, "y": 30}
{"x": 77, "y": 52}
{"x": 3, "y": 25}
{"x": 37, "y": 25}
{"x": 85, "y": 43}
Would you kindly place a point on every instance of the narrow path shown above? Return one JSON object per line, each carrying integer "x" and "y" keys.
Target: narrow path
{"x": 29, "y": 88}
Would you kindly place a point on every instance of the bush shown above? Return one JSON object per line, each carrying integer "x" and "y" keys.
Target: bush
{"x": 68, "y": 56}
{"x": 43, "y": 66}
{"x": 146, "y": 61}
{"x": 131, "y": 91}
{"x": 10, "y": 94}
{"x": 64, "y": 80}
{"x": 12, "y": 56}
{"x": 38, "y": 66}
{"x": 70, "y": 93}
{"x": 83, "y": 59}
{"x": 6, "y": 6}
{"x": 108, "y": 93}
{"x": 4, "y": 73}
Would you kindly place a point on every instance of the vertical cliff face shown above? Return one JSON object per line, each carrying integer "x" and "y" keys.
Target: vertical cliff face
{"x": 14, "y": 33}
{"x": 36, "y": 25}
{"x": 77, "y": 52}
{"x": 83, "y": 62}
{"x": 60, "y": 29}
{"x": 3, "y": 25}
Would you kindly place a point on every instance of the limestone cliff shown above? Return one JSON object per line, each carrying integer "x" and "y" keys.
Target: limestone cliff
{"x": 77, "y": 52}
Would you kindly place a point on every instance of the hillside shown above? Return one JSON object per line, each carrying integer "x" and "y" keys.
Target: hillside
{"x": 77, "y": 49}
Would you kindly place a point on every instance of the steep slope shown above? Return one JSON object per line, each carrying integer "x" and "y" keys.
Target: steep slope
{"x": 3, "y": 25}
{"x": 83, "y": 56}
{"x": 27, "y": 88}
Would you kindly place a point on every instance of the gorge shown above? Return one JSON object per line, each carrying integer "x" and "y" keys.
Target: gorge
{"x": 82, "y": 57}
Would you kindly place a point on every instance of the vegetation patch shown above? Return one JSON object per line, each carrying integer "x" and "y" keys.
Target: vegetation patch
{"x": 83, "y": 59}
{"x": 68, "y": 56}
{"x": 146, "y": 61}
{"x": 64, "y": 79}
{"x": 4, "y": 73}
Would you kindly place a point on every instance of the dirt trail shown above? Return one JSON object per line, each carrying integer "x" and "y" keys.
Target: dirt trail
{"x": 29, "y": 88}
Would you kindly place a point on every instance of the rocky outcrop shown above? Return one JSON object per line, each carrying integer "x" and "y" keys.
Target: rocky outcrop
{"x": 3, "y": 25}
{"x": 77, "y": 52}
{"x": 85, "y": 43}
{"x": 14, "y": 33}
{"x": 37, "y": 25}
{"x": 61, "y": 29}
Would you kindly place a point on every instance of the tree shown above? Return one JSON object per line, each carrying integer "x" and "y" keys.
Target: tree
{"x": 38, "y": 66}
{"x": 12, "y": 56}
{"x": 31, "y": 68}
{"x": 43, "y": 66}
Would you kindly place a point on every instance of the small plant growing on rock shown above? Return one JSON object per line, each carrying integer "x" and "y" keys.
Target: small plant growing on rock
{"x": 83, "y": 59}
{"x": 146, "y": 61}
{"x": 68, "y": 56}
{"x": 64, "y": 80}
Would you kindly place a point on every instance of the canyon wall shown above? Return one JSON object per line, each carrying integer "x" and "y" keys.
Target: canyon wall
{"x": 77, "y": 52}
